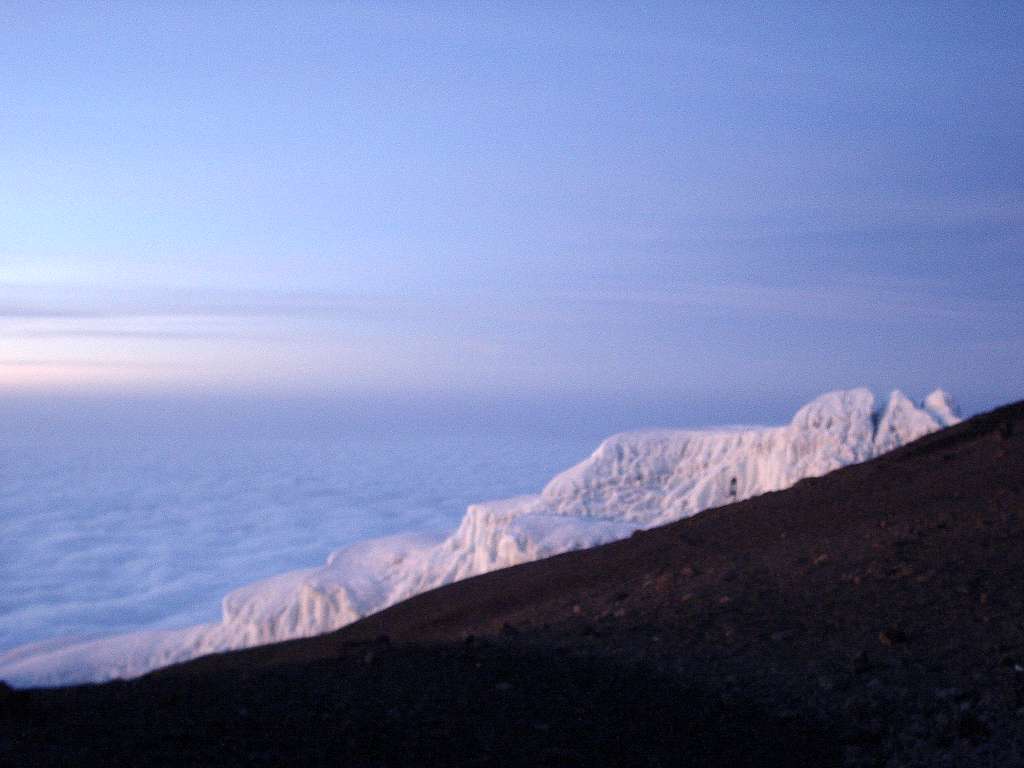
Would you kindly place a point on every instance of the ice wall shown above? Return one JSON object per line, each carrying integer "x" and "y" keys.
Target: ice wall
{"x": 633, "y": 480}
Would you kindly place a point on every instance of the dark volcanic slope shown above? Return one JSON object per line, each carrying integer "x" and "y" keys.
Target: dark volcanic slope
{"x": 874, "y": 616}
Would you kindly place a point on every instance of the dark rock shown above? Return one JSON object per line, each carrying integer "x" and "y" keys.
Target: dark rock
{"x": 971, "y": 728}
{"x": 891, "y": 636}
{"x": 861, "y": 663}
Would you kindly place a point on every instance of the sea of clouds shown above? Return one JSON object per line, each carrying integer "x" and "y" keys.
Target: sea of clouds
{"x": 106, "y": 527}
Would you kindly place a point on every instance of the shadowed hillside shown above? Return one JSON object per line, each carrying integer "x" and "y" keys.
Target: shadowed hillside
{"x": 874, "y": 614}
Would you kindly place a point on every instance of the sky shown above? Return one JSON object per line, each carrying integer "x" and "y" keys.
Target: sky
{"x": 642, "y": 202}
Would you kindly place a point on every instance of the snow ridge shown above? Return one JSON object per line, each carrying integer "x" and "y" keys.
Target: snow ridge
{"x": 633, "y": 480}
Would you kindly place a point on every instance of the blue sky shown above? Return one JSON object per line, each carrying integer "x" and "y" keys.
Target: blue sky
{"x": 641, "y": 200}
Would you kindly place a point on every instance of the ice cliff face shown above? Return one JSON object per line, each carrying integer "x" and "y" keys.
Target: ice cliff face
{"x": 633, "y": 480}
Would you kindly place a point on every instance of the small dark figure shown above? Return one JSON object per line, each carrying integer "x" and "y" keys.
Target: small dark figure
{"x": 732, "y": 489}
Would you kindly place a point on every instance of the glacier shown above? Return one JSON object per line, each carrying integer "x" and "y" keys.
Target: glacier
{"x": 634, "y": 480}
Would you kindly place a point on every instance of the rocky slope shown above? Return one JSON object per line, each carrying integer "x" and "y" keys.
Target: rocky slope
{"x": 869, "y": 617}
